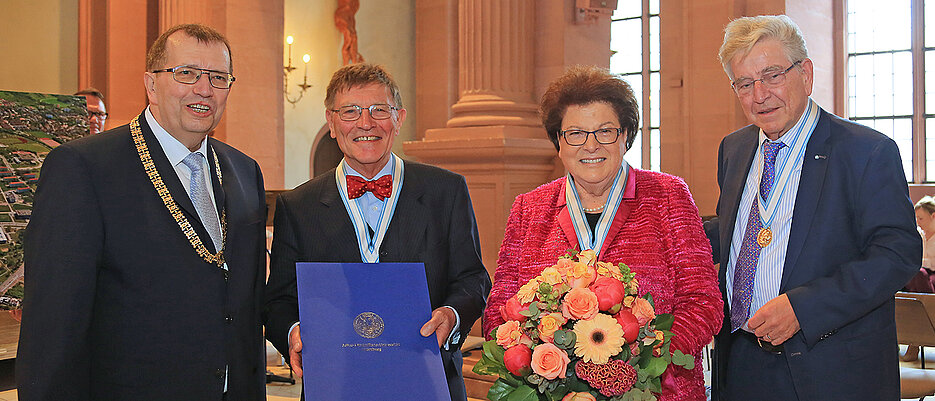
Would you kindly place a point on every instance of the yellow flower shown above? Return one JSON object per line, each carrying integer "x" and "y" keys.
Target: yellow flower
{"x": 551, "y": 276}
{"x": 633, "y": 285}
{"x": 587, "y": 256}
{"x": 580, "y": 275}
{"x": 527, "y": 292}
{"x": 549, "y": 324}
{"x": 628, "y": 301}
{"x": 598, "y": 339}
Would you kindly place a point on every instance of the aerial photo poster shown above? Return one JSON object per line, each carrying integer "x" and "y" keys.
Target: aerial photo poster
{"x": 31, "y": 124}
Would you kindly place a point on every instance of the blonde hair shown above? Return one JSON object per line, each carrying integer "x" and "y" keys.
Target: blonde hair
{"x": 741, "y": 34}
{"x": 927, "y": 203}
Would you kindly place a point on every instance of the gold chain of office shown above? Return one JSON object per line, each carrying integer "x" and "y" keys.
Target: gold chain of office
{"x": 163, "y": 191}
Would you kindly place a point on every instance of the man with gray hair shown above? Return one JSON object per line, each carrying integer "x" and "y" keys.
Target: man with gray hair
{"x": 815, "y": 233}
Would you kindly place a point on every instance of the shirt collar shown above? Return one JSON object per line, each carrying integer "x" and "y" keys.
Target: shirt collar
{"x": 788, "y": 139}
{"x": 386, "y": 170}
{"x": 175, "y": 151}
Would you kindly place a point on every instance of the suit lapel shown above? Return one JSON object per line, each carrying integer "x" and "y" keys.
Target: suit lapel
{"x": 336, "y": 222}
{"x": 219, "y": 190}
{"x": 736, "y": 166}
{"x": 620, "y": 218}
{"x": 809, "y": 191}
{"x": 564, "y": 219}
{"x": 409, "y": 221}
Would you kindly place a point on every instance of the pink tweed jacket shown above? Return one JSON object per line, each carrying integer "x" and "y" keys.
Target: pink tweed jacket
{"x": 656, "y": 231}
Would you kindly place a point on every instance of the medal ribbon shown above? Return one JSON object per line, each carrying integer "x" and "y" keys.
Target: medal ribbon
{"x": 805, "y": 127}
{"x": 580, "y": 222}
{"x": 370, "y": 248}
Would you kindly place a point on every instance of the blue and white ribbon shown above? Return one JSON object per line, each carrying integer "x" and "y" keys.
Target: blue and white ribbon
{"x": 370, "y": 247}
{"x": 579, "y": 221}
{"x": 805, "y": 127}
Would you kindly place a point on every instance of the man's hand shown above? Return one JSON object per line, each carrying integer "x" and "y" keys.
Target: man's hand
{"x": 295, "y": 351}
{"x": 441, "y": 323}
{"x": 775, "y": 322}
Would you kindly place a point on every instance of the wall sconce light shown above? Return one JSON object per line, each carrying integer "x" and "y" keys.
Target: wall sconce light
{"x": 287, "y": 69}
{"x": 591, "y": 11}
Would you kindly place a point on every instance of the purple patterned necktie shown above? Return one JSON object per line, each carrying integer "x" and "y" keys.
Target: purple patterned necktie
{"x": 745, "y": 270}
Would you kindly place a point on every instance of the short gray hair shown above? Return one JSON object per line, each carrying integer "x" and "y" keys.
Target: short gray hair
{"x": 741, "y": 34}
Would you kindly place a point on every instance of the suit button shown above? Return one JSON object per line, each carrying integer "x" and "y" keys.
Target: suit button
{"x": 384, "y": 253}
{"x": 228, "y": 319}
{"x": 219, "y": 373}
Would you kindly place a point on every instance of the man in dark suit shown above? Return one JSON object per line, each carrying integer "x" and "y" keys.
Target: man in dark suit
{"x": 815, "y": 235}
{"x": 409, "y": 212}
{"x": 145, "y": 252}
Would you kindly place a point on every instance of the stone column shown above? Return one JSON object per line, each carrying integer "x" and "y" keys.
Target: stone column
{"x": 493, "y": 136}
{"x": 496, "y": 64}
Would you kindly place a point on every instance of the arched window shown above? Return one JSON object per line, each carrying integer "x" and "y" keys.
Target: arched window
{"x": 634, "y": 45}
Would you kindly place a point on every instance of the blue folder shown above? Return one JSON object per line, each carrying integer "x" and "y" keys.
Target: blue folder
{"x": 360, "y": 333}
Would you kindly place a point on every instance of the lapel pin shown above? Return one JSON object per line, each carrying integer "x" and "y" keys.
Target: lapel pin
{"x": 820, "y": 157}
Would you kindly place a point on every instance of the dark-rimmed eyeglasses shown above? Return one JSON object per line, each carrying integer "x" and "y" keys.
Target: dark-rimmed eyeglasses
{"x": 189, "y": 75}
{"x": 353, "y": 112}
{"x": 99, "y": 114}
{"x": 604, "y": 136}
{"x": 771, "y": 79}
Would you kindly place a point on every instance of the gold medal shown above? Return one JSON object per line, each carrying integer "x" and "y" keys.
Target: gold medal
{"x": 764, "y": 237}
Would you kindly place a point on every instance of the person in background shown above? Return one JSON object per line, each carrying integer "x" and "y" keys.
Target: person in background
{"x": 814, "y": 234}
{"x": 642, "y": 218}
{"x": 145, "y": 254}
{"x": 97, "y": 112}
{"x": 924, "y": 280}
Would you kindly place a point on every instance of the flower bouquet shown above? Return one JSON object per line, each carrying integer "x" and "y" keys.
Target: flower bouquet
{"x": 579, "y": 331}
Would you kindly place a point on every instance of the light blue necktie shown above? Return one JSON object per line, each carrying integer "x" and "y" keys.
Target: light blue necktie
{"x": 198, "y": 191}
{"x": 745, "y": 270}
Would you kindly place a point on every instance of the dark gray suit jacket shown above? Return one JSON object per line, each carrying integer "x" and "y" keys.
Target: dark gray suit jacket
{"x": 434, "y": 223}
{"x": 118, "y": 305}
{"x": 853, "y": 244}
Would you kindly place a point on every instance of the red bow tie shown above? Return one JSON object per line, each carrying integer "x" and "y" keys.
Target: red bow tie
{"x": 381, "y": 187}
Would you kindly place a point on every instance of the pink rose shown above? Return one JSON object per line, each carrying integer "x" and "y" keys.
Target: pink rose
{"x": 549, "y": 361}
{"x": 517, "y": 360}
{"x": 510, "y": 310}
{"x": 610, "y": 293}
{"x": 643, "y": 311}
{"x": 631, "y": 327}
{"x": 579, "y": 397}
{"x": 579, "y": 303}
{"x": 509, "y": 334}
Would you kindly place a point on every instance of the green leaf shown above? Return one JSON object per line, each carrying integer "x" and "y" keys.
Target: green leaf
{"x": 499, "y": 391}
{"x": 649, "y": 297}
{"x": 681, "y": 359}
{"x": 664, "y": 321}
{"x": 654, "y": 366}
{"x": 523, "y": 393}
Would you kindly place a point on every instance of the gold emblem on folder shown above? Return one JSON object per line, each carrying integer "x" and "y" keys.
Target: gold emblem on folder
{"x": 368, "y": 325}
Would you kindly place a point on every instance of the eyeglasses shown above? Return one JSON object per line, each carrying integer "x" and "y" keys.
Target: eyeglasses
{"x": 190, "y": 75}
{"x": 771, "y": 79}
{"x": 353, "y": 112}
{"x": 604, "y": 136}
{"x": 99, "y": 114}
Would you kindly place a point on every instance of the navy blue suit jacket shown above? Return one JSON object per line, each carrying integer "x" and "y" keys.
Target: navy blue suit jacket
{"x": 117, "y": 304}
{"x": 853, "y": 244}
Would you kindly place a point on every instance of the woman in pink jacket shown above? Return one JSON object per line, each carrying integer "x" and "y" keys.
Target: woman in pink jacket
{"x": 644, "y": 219}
